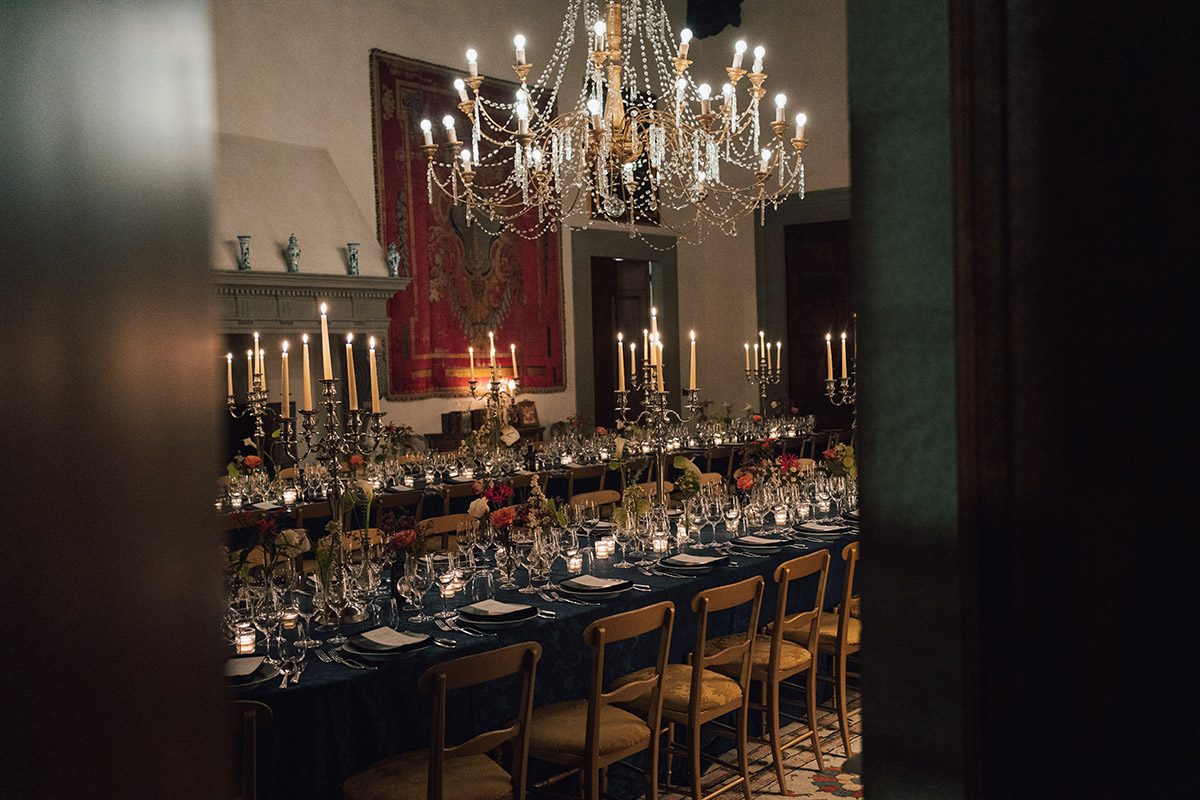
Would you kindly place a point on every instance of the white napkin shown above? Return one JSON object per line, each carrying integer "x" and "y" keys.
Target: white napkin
{"x": 756, "y": 540}
{"x": 391, "y": 638}
{"x": 240, "y": 667}
{"x": 592, "y": 582}
{"x": 688, "y": 558}
{"x": 820, "y": 527}
{"x": 267, "y": 505}
{"x": 494, "y": 608}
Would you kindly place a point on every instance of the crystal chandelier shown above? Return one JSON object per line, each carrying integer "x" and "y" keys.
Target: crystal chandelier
{"x": 642, "y": 141}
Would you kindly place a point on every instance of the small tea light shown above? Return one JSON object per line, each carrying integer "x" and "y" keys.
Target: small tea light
{"x": 447, "y": 590}
{"x": 429, "y": 477}
{"x": 604, "y": 548}
{"x": 458, "y": 582}
{"x": 603, "y": 455}
{"x": 453, "y": 472}
{"x": 823, "y": 506}
{"x": 659, "y": 545}
{"x": 235, "y": 500}
{"x": 804, "y": 511}
{"x": 468, "y": 473}
{"x": 781, "y": 517}
{"x": 289, "y": 618}
{"x": 575, "y": 563}
{"x": 409, "y": 480}
{"x": 645, "y": 448}
{"x": 289, "y": 496}
{"x": 219, "y": 502}
{"x": 566, "y": 459}
{"x": 717, "y": 440}
{"x": 244, "y": 639}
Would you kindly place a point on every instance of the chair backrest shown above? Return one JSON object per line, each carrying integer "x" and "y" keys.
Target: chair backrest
{"x": 711, "y": 478}
{"x": 848, "y": 607}
{"x": 470, "y": 670}
{"x": 586, "y": 474}
{"x": 456, "y": 491}
{"x": 650, "y": 488}
{"x": 720, "y": 598}
{"x": 309, "y": 511}
{"x": 810, "y": 616}
{"x": 616, "y": 628}
{"x": 286, "y": 473}
{"x": 439, "y": 532}
{"x": 414, "y": 499}
{"x": 718, "y": 454}
{"x": 605, "y": 498}
{"x": 249, "y": 717}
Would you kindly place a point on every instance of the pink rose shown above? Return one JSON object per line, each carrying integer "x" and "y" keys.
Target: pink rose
{"x": 745, "y": 482}
{"x": 356, "y": 461}
{"x": 503, "y": 517}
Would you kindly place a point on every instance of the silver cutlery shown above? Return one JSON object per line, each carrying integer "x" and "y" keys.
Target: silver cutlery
{"x": 449, "y": 644}
{"x": 450, "y": 627}
{"x": 296, "y": 674}
{"x": 339, "y": 658}
{"x": 321, "y": 654}
{"x": 469, "y": 631}
{"x": 640, "y": 588}
{"x": 572, "y": 600}
{"x": 283, "y": 683}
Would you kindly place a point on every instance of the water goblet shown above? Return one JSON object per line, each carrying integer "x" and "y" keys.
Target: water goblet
{"x": 287, "y": 644}
{"x": 733, "y": 515}
{"x": 622, "y": 533}
{"x": 714, "y": 512}
{"x": 418, "y": 577}
{"x": 590, "y": 516}
{"x": 444, "y": 569}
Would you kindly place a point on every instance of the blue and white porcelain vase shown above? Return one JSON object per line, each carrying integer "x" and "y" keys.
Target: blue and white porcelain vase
{"x": 393, "y": 261}
{"x": 293, "y": 254}
{"x": 244, "y": 259}
{"x": 352, "y": 249}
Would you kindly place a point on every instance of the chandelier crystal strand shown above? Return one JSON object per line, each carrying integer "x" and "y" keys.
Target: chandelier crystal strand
{"x": 663, "y": 157}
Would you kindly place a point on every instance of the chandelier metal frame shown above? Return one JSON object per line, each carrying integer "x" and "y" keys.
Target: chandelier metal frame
{"x": 642, "y": 137}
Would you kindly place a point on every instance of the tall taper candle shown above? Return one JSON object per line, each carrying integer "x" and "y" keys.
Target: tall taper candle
{"x": 492, "y": 345}
{"x": 653, "y": 321}
{"x": 262, "y": 368}
{"x": 756, "y": 358}
{"x": 645, "y": 344}
{"x": 747, "y": 346}
{"x": 692, "y": 379}
{"x": 512, "y": 349}
{"x": 778, "y": 362}
{"x": 249, "y": 371}
{"x": 307, "y": 376}
{"x": 620, "y": 363}
{"x": 374, "y": 379}
{"x": 325, "y": 345}
{"x": 658, "y": 348}
{"x": 229, "y": 373}
{"x": 350, "y": 372}
{"x": 829, "y": 354}
{"x": 471, "y": 353}
{"x": 768, "y": 355}
{"x": 257, "y": 356}
{"x": 633, "y": 360}
{"x": 843, "y": 354}
{"x": 285, "y": 408}
{"x": 762, "y": 341}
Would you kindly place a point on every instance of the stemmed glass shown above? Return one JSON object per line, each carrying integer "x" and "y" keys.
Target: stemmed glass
{"x": 714, "y": 512}
{"x": 445, "y": 570}
{"x": 286, "y": 646}
{"x": 837, "y": 491}
{"x": 305, "y": 604}
{"x": 622, "y": 534}
{"x": 338, "y": 602}
{"x": 590, "y": 516}
{"x": 694, "y": 509}
{"x": 733, "y": 515}
{"x": 556, "y": 548}
{"x": 821, "y": 486}
{"x": 418, "y": 577}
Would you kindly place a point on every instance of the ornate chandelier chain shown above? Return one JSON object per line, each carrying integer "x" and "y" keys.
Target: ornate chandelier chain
{"x": 641, "y": 138}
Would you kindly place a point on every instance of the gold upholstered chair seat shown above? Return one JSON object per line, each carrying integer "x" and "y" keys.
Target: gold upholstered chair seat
{"x": 405, "y": 776}
{"x": 791, "y": 656}
{"x": 562, "y": 728}
{"x": 829, "y": 631}
{"x": 716, "y": 689}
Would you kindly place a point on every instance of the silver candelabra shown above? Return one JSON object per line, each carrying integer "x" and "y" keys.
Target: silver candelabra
{"x": 500, "y": 395}
{"x": 842, "y": 391}
{"x": 763, "y": 375}
{"x": 656, "y": 418}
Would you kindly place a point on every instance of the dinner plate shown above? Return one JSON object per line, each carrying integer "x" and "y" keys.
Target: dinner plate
{"x": 691, "y": 568}
{"x": 602, "y": 595}
{"x": 490, "y": 611}
{"x": 384, "y": 655}
{"x": 808, "y": 527}
{"x": 759, "y": 545}
{"x": 583, "y": 584}
{"x": 498, "y": 624}
{"x": 403, "y": 641}
{"x": 265, "y": 672}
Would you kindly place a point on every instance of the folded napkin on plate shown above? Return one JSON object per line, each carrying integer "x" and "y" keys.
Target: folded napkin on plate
{"x": 821, "y": 527}
{"x": 592, "y": 583}
{"x": 386, "y": 639}
{"x": 267, "y": 505}
{"x": 494, "y": 608}
{"x": 758, "y": 540}
{"x": 691, "y": 560}
{"x": 241, "y": 667}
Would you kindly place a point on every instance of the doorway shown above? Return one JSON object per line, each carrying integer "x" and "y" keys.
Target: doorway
{"x": 622, "y": 294}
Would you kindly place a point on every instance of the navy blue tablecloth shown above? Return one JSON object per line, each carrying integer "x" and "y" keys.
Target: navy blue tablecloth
{"x": 337, "y": 721}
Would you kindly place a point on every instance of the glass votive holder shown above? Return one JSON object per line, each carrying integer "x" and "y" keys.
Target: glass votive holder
{"x": 235, "y": 500}
{"x": 604, "y": 548}
{"x": 409, "y": 480}
{"x": 244, "y": 639}
{"x": 604, "y": 455}
{"x": 717, "y": 440}
{"x": 289, "y": 496}
{"x": 659, "y": 545}
{"x": 823, "y": 506}
{"x": 575, "y": 563}
{"x": 781, "y": 517}
{"x": 429, "y": 477}
{"x": 566, "y": 459}
{"x": 468, "y": 473}
{"x": 220, "y": 502}
{"x": 447, "y": 590}
{"x": 288, "y": 618}
{"x": 804, "y": 511}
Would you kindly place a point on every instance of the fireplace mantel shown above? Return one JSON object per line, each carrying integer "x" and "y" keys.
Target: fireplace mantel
{"x": 284, "y": 302}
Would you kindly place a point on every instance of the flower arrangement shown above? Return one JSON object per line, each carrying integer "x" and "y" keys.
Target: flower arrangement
{"x": 400, "y": 531}
{"x": 630, "y": 469}
{"x": 687, "y": 483}
{"x": 491, "y": 497}
{"x": 254, "y": 461}
{"x": 839, "y": 460}
{"x": 395, "y": 442}
{"x": 787, "y": 470}
{"x": 757, "y": 464}
{"x": 271, "y": 533}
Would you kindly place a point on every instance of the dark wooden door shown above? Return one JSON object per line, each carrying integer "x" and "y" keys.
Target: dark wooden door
{"x": 620, "y": 304}
{"x": 819, "y": 300}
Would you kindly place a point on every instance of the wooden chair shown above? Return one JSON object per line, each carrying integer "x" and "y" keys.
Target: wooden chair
{"x": 650, "y": 488}
{"x": 463, "y": 771}
{"x": 719, "y": 455}
{"x": 841, "y": 636}
{"x": 249, "y": 717}
{"x": 389, "y": 501}
{"x": 591, "y": 734}
{"x": 456, "y": 491}
{"x": 695, "y": 693}
{"x": 586, "y": 474}
{"x": 710, "y": 479}
{"x": 775, "y": 658}
{"x": 439, "y": 533}
{"x": 287, "y": 472}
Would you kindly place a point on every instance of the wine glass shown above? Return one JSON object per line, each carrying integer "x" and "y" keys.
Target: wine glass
{"x": 714, "y": 512}
{"x": 733, "y": 515}
{"x": 837, "y": 491}
{"x": 418, "y": 577}
{"x": 590, "y": 516}
{"x": 305, "y": 604}
{"x": 556, "y": 548}
{"x": 694, "y": 510}
{"x": 287, "y": 645}
{"x": 445, "y": 572}
{"x": 622, "y": 534}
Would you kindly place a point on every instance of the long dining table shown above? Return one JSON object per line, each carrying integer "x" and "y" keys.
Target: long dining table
{"x": 337, "y": 719}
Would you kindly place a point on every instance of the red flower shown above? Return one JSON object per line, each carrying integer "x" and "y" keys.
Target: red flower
{"x": 795, "y": 410}
{"x": 756, "y": 417}
{"x": 602, "y": 431}
{"x": 402, "y": 540}
{"x": 252, "y": 461}
{"x": 745, "y": 482}
{"x": 502, "y": 517}
{"x": 498, "y": 493}
{"x": 829, "y": 454}
{"x": 787, "y": 462}
{"x": 478, "y": 487}
{"x": 356, "y": 461}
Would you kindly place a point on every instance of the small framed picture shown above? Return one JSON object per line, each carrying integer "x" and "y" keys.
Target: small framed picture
{"x": 527, "y": 412}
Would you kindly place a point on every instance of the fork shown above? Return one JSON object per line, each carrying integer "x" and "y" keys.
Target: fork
{"x": 450, "y": 627}
{"x": 572, "y": 600}
{"x": 321, "y": 654}
{"x": 336, "y": 656}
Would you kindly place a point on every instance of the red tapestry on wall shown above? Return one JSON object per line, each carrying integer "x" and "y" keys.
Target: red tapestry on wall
{"x": 467, "y": 278}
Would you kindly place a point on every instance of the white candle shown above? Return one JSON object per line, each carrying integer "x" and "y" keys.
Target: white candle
{"x": 243, "y": 640}
{"x": 759, "y": 52}
{"x": 659, "y": 546}
{"x": 829, "y": 355}
{"x": 600, "y": 28}
{"x": 575, "y": 563}
{"x": 633, "y": 360}
{"x": 471, "y": 353}
{"x": 778, "y": 347}
{"x": 229, "y": 373}
{"x": 257, "y": 356}
{"x": 660, "y": 375}
{"x": 427, "y": 131}
{"x": 462, "y": 90}
{"x": 747, "y": 346}
{"x": 768, "y": 355}
{"x": 288, "y": 618}
{"x": 249, "y": 370}
{"x": 692, "y": 379}
{"x": 307, "y": 376}
{"x": 325, "y": 344}
{"x": 756, "y": 358}
{"x": 843, "y": 354}
{"x": 448, "y": 123}
{"x": 262, "y": 368}
{"x": 512, "y": 349}
{"x": 781, "y": 518}
{"x": 289, "y": 496}
{"x": 762, "y": 340}
{"x": 350, "y": 372}
{"x": 738, "y": 50}
{"x": 645, "y": 344}
{"x": 492, "y": 345}
{"x": 447, "y": 590}
{"x": 285, "y": 406}
{"x": 654, "y": 322}
{"x": 519, "y": 44}
{"x": 620, "y": 364}
{"x": 374, "y": 379}
{"x": 473, "y": 62}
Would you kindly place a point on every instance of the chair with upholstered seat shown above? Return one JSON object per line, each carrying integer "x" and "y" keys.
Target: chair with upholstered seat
{"x": 783, "y": 650}
{"x": 695, "y": 693}
{"x": 249, "y": 717}
{"x": 841, "y": 637}
{"x": 591, "y": 734}
{"x": 463, "y": 771}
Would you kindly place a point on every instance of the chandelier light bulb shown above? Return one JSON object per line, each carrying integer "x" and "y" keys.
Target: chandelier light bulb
{"x": 727, "y": 89}
{"x": 448, "y": 122}
{"x": 801, "y": 119}
{"x": 705, "y": 91}
{"x": 427, "y": 130}
{"x": 521, "y": 95}
{"x": 465, "y": 155}
{"x": 462, "y": 89}
{"x": 593, "y": 107}
{"x": 780, "y": 102}
{"x": 685, "y": 36}
{"x": 519, "y": 41}
{"x": 600, "y": 29}
{"x": 473, "y": 62}
{"x": 522, "y": 111}
{"x": 739, "y": 50}
{"x": 472, "y": 55}
{"x": 536, "y": 155}
{"x": 766, "y": 159}
{"x": 681, "y": 85}
{"x": 759, "y": 52}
